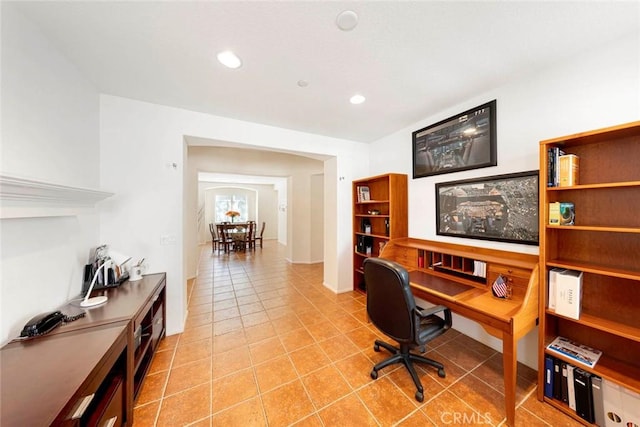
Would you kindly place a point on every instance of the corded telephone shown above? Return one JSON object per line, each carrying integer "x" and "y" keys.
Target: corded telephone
{"x": 45, "y": 323}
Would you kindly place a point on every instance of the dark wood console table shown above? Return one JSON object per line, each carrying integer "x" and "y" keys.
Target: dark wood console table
{"x": 88, "y": 371}
{"x": 460, "y": 277}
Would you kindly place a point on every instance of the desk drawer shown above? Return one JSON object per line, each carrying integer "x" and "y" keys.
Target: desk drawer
{"x": 506, "y": 270}
{"x": 110, "y": 412}
{"x": 406, "y": 257}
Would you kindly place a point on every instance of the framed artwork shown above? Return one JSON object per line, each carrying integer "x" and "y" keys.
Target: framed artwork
{"x": 462, "y": 142}
{"x": 501, "y": 207}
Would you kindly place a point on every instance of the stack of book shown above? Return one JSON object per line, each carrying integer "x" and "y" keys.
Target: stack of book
{"x": 553, "y": 166}
{"x": 577, "y": 352}
{"x": 562, "y": 168}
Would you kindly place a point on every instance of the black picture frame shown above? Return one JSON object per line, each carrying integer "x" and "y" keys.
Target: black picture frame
{"x": 461, "y": 142}
{"x": 500, "y": 207}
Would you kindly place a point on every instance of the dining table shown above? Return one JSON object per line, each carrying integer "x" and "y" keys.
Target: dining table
{"x": 237, "y": 231}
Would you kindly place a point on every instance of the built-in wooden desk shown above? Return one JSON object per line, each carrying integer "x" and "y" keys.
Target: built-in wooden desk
{"x": 69, "y": 379}
{"x": 453, "y": 275}
{"x": 79, "y": 355}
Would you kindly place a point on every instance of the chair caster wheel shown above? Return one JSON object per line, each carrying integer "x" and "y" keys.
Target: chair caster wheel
{"x": 376, "y": 348}
{"x": 441, "y": 373}
{"x": 374, "y": 375}
{"x": 419, "y": 396}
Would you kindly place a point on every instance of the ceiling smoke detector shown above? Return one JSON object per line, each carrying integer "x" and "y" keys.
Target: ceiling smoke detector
{"x": 347, "y": 20}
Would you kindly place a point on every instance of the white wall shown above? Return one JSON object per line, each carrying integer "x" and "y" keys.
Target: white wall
{"x": 591, "y": 90}
{"x": 50, "y": 126}
{"x": 316, "y": 220}
{"x": 145, "y": 139}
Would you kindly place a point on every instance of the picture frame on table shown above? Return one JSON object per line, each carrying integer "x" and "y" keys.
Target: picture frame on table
{"x": 500, "y": 207}
{"x": 461, "y": 142}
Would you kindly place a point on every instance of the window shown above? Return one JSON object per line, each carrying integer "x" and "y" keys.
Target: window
{"x": 226, "y": 203}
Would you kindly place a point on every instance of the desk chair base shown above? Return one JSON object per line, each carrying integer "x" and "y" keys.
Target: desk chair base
{"x": 404, "y": 356}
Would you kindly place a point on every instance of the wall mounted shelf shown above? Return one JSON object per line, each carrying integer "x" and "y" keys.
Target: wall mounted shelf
{"x": 28, "y": 198}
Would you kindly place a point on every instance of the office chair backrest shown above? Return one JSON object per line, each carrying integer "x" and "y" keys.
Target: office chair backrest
{"x": 390, "y": 303}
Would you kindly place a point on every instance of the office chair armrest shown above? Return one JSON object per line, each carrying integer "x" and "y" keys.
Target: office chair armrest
{"x": 426, "y": 312}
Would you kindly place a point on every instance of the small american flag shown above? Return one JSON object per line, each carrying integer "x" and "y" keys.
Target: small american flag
{"x": 499, "y": 287}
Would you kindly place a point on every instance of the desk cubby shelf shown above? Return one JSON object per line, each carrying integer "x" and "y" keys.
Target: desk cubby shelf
{"x": 454, "y": 265}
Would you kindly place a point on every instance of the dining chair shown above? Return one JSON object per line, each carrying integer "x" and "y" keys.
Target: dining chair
{"x": 225, "y": 242}
{"x": 250, "y": 235}
{"x": 215, "y": 239}
{"x": 260, "y": 236}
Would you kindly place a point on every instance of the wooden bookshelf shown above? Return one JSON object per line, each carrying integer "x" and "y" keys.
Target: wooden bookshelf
{"x": 386, "y": 214}
{"x": 604, "y": 244}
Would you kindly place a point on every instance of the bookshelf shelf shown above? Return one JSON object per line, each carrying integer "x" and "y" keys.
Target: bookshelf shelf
{"x": 377, "y": 236}
{"x": 596, "y": 268}
{"x": 606, "y": 325}
{"x": 371, "y": 202}
{"x": 606, "y": 185}
{"x": 603, "y": 244}
{"x": 389, "y": 197}
{"x": 607, "y": 367}
{"x": 604, "y": 229}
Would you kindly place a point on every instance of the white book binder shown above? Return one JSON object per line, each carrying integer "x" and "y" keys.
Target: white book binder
{"x": 553, "y": 277}
{"x": 568, "y": 293}
{"x": 571, "y": 393}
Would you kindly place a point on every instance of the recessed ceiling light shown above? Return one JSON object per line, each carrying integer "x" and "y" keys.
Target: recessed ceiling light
{"x": 357, "y": 99}
{"x": 229, "y": 59}
{"x": 347, "y": 20}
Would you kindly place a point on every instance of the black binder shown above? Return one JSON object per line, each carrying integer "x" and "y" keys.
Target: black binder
{"x": 565, "y": 391}
{"x": 557, "y": 379}
{"x": 584, "y": 398}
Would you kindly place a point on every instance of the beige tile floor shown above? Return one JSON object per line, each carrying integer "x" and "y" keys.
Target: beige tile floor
{"x": 266, "y": 344}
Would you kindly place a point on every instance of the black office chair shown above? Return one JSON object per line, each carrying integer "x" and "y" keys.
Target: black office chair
{"x": 392, "y": 309}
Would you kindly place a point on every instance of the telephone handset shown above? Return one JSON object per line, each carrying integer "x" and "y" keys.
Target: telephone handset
{"x": 45, "y": 323}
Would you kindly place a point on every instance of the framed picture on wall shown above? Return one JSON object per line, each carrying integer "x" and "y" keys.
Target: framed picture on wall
{"x": 464, "y": 141}
{"x": 501, "y": 207}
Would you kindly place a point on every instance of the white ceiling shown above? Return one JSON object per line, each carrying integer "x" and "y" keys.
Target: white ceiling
{"x": 409, "y": 59}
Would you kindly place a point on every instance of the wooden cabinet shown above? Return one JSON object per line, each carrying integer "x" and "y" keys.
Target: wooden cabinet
{"x": 604, "y": 244}
{"x": 148, "y": 329}
{"x": 379, "y": 216}
{"x": 89, "y": 371}
{"x": 66, "y": 379}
